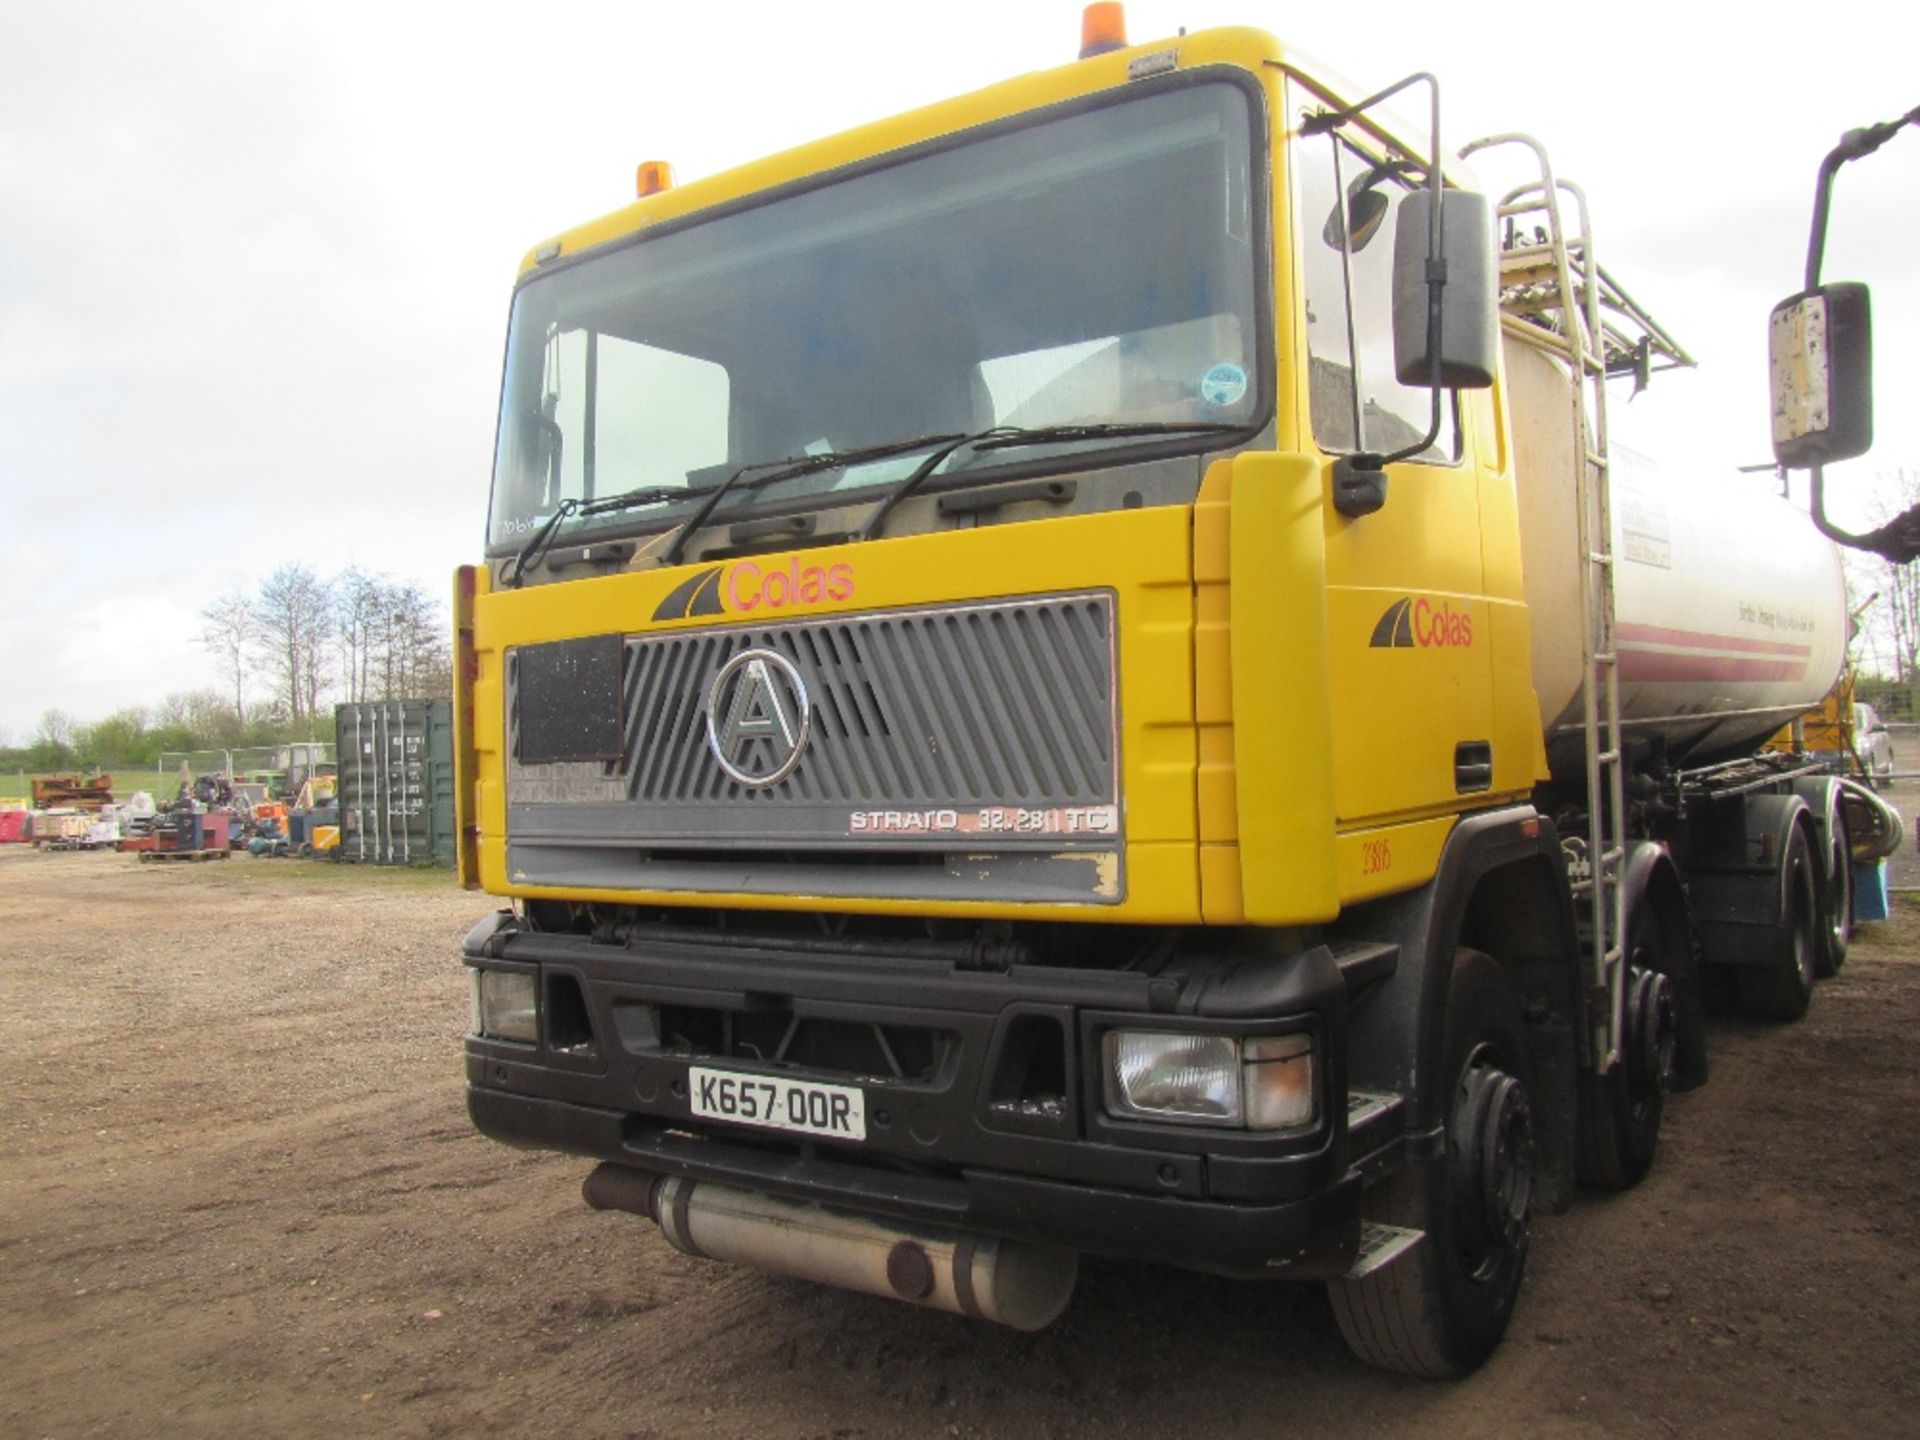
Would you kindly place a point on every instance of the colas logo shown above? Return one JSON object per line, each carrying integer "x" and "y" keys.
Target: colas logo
{"x": 746, "y": 586}
{"x": 1421, "y": 623}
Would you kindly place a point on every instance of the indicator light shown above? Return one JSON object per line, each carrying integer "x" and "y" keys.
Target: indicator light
{"x": 652, "y": 177}
{"x": 1103, "y": 27}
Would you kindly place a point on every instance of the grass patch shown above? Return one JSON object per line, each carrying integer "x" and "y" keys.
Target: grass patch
{"x": 242, "y": 869}
{"x": 17, "y": 788}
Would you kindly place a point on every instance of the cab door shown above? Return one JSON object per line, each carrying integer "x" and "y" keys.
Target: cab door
{"x": 1408, "y": 625}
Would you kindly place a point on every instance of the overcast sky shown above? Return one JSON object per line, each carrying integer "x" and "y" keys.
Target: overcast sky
{"x": 255, "y": 257}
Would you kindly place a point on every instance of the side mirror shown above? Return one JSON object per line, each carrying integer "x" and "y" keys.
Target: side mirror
{"x": 1821, "y": 347}
{"x": 1366, "y": 208}
{"x": 1469, "y": 301}
{"x": 549, "y": 443}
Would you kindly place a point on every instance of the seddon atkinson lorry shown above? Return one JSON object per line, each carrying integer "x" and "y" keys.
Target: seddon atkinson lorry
{"x": 1075, "y": 671}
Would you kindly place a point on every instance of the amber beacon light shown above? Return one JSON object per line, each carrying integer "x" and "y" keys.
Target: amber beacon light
{"x": 652, "y": 177}
{"x": 1103, "y": 27}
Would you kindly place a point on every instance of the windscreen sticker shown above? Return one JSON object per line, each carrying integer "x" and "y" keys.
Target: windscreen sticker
{"x": 1223, "y": 385}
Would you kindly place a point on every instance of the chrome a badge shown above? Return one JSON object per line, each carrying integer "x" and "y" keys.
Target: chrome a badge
{"x": 758, "y": 716}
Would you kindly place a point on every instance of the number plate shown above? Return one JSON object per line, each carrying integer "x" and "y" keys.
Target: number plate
{"x": 838, "y": 1112}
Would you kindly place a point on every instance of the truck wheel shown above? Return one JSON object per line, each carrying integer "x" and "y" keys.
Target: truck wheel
{"x": 1719, "y": 995}
{"x": 1620, "y": 1111}
{"x": 1836, "y": 903}
{"x": 1438, "y": 1310}
{"x": 1782, "y": 987}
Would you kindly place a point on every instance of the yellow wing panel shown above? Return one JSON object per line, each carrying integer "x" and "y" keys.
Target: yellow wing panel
{"x": 1278, "y": 603}
{"x": 1391, "y": 858}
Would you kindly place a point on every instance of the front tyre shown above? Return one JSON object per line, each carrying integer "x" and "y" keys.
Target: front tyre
{"x": 1439, "y": 1309}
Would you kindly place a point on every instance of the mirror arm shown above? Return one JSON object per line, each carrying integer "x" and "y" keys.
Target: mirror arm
{"x": 1360, "y": 479}
{"x": 1436, "y": 262}
{"x": 1327, "y": 120}
{"x": 1897, "y": 541}
{"x": 1853, "y": 145}
{"x": 590, "y": 418}
{"x": 1822, "y": 199}
{"x": 1436, "y": 280}
{"x": 1345, "y": 203}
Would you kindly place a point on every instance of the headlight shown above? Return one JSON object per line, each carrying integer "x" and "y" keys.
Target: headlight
{"x": 1261, "y": 1083}
{"x": 504, "y": 1007}
{"x": 1158, "y": 1076}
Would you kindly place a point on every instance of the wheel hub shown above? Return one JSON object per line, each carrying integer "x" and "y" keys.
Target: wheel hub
{"x": 1651, "y": 1031}
{"x": 1492, "y": 1163}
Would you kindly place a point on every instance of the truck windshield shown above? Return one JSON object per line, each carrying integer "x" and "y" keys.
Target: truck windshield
{"x": 1097, "y": 266}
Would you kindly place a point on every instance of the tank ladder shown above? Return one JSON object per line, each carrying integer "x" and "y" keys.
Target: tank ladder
{"x": 1555, "y": 297}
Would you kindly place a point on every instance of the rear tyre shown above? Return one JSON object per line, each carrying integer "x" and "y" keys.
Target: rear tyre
{"x": 1439, "y": 1309}
{"x": 1782, "y": 986}
{"x": 1719, "y": 996}
{"x": 1620, "y": 1111}
{"x": 1836, "y": 901}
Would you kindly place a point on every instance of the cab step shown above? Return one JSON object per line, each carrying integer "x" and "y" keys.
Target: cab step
{"x": 1380, "y": 1246}
{"x": 1365, "y": 1108}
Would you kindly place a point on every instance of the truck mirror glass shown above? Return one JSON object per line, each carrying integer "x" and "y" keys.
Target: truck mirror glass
{"x": 1469, "y": 319}
{"x": 549, "y": 448}
{"x": 1820, "y": 344}
{"x": 1366, "y": 207}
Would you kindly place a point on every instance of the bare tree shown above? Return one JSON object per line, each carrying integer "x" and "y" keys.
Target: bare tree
{"x": 53, "y": 740}
{"x": 56, "y": 728}
{"x": 313, "y": 661}
{"x": 393, "y": 638}
{"x": 419, "y": 660}
{"x": 1893, "y": 619}
{"x": 292, "y": 614}
{"x": 230, "y": 633}
{"x": 359, "y": 600}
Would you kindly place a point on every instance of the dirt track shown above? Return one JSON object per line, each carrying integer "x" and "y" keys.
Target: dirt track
{"x": 239, "y": 1195}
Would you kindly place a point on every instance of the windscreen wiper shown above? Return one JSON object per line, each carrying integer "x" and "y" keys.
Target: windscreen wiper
{"x": 791, "y": 469}
{"x": 542, "y": 539}
{"x": 1003, "y": 437}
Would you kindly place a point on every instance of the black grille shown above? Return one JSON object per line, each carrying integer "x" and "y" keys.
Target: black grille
{"x": 775, "y": 1036}
{"x": 988, "y": 705}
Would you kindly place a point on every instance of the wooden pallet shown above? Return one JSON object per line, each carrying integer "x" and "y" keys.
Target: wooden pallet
{"x": 184, "y": 854}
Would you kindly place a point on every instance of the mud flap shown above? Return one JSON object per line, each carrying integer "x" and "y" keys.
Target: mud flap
{"x": 1870, "y": 900}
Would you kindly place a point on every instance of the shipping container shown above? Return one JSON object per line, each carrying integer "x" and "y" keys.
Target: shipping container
{"x": 396, "y": 782}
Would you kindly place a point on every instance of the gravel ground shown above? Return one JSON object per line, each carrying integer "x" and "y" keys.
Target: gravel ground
{"x": 239, "y": 1195}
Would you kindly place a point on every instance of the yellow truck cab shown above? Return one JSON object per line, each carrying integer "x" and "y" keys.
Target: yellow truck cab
{"x": 1000, "y": 694}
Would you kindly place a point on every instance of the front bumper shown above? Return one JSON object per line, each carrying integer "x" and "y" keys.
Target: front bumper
{"x": 965, "y": 1140}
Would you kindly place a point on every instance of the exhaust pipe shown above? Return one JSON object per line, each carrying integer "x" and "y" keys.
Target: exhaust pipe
{"x": 984, "y": 1277}
{"x": 1874, "y": 826}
